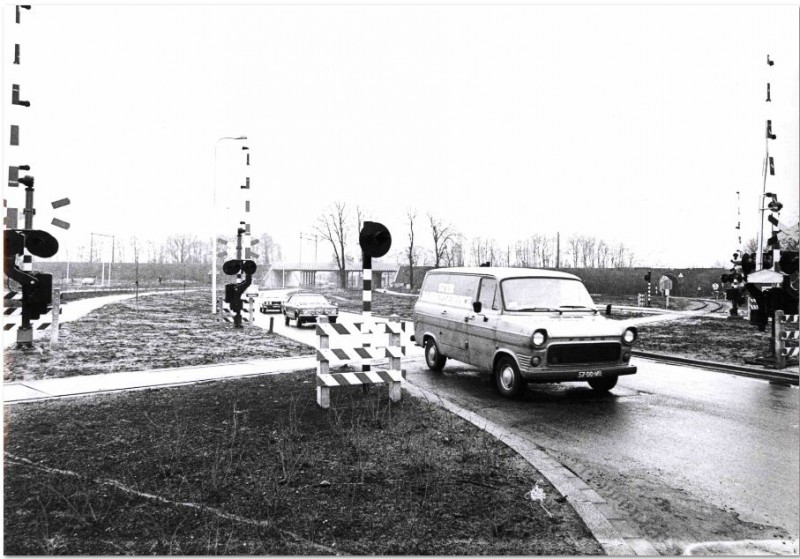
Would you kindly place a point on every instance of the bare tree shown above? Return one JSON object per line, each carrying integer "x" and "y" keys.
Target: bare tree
{"x": 587, "y": 246}
{"x": 332, "y": 227}
{"x": 574, "y": 242}
{"x": 442, "y": 237}
{"x": 180, "y": 248}
{"x": 484, "y": 250}
{"x": 602, "y": 254}
{"x": 268, "y": 250}
{"x": 411, "y": 255}
{"x": 454, "y": 255}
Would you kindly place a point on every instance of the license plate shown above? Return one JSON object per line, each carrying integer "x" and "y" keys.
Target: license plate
{"x": 590, "y": 374}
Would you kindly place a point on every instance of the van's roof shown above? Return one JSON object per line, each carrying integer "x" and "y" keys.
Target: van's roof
{"x": 503, "y": 272}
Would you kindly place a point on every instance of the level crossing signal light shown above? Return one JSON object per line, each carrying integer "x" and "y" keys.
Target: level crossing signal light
{"x": 648, "y": 276}
{"x": 375, "y": 239}
{"x": 234, "y": 291}
{"x": 748, "y": 263}
{"x": 37, "y": 287}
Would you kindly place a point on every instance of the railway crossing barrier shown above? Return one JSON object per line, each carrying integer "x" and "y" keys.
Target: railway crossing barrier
{"x": 786, "y": 338}
{"x": 351, "y": 339}
{"x": 228, "y": 315}
{"x": 12, "y": 314}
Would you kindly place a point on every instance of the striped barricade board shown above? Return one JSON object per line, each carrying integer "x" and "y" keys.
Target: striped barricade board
{"x": 227, "y": 314}
{"x": 12, "y": 314}
{"x": 362, "y": 342}
{"x": 789, "y": 338}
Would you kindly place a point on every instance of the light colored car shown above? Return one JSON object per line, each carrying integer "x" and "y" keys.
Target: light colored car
{"x": 272, "y": 303}
{"x": 307, "y": 307}
{"x": 523, "y": 325}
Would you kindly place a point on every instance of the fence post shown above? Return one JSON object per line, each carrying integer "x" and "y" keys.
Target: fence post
{"x": 778, "y": 343}
{"x": 56, "y": 314}
{"x": 395, "y": 388}
{"x": 323, "y": 367}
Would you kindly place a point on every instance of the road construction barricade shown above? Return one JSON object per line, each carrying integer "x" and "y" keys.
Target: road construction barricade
{"x": 786, "y": 338}
{"x": 364, "y": 342}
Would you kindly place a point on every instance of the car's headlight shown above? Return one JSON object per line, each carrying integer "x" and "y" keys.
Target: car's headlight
{"x": 538, "y": 338}
{"x": 629, "y": 336}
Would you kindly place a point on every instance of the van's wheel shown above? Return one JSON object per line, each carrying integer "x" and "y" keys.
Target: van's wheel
{"x": 507, "y": 377}
{"x": 297, "y": 320}
{"x": 603, "y": 384}
{"x": 332, "y": 319}
{"x": 433, "y": 358}
{"x": 286, "y": 319}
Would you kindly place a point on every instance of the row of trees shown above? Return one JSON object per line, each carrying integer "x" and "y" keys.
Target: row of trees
{"x": 444, "y": 245}
{"x": 174, "y": 249}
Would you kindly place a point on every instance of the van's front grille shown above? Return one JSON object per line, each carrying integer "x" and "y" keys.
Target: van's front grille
{"x": 573, "y": 354}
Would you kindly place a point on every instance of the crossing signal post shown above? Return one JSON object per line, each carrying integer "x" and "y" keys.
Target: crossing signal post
{"x": 37, "y": 287}
{"x": 234, "y": 291}
{"x": 375, "y": 241}
{"x": 648, "y": 277}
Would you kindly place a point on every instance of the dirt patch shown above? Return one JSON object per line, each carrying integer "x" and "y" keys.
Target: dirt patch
{"x": 723, "y": 340}
{"x": 254, "y": 466}
{"x": 165, "y": 330}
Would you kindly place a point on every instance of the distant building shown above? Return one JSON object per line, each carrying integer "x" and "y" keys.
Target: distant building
{"x": 403, "y": 277}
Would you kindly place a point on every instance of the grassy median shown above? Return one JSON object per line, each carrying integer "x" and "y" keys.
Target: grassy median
{"x": 254, "y": 466}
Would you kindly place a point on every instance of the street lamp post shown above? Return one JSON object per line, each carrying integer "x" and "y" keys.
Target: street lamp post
{"x": 213, "y": 225}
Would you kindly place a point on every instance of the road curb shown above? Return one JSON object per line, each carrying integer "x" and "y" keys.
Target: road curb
{"x": 773, "y": 375}
{"x": 605, "y": 525}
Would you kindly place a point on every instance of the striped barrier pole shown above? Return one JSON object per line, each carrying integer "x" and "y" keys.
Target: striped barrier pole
{"x": 366, "y": 300}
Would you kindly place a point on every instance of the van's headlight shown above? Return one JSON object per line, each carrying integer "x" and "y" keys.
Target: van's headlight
{"x": 539, "y": 338}
{"x": 629, "y": 336}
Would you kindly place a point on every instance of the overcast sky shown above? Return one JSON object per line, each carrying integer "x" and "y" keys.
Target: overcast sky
{"x": 633, "y": 124}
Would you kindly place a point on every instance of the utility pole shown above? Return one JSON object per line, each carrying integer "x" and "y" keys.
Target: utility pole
{"x": 558, "y": 250}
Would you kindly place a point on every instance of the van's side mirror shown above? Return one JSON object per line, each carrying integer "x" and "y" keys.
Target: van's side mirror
{"x": 477, "y": 306}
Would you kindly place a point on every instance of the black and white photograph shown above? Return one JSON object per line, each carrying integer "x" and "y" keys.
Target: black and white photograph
{"x": 401, "y": 278}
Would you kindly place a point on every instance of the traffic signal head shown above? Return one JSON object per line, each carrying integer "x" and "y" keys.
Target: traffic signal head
{"x": 647, "y": 276}
{"x": 233, "y": 267}
{"x": 375, "y": 239}
{"x": 38, "y": 297}
{"x": 40, "y": 243}
{"x": 789, "y": 262}
{"x": 748, "y": 263}
{"x": 233, "y": 297}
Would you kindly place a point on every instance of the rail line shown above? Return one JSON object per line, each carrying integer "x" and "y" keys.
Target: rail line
{"x": 780, "y": 377}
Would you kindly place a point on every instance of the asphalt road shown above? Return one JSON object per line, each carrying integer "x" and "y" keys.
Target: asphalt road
{"x": 688, "y": 455}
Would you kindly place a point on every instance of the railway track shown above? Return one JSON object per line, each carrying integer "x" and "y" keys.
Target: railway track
{"x": 781, "y": 377}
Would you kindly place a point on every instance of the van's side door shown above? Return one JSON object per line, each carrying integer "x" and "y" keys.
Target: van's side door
{"x": 443, "y": 305}
{"x": 482, "y": 327}
{"x": 463, "y": 288}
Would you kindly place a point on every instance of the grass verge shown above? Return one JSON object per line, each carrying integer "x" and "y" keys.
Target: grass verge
{"x": 254, "y": 466}
{"x": 164, "y": 330}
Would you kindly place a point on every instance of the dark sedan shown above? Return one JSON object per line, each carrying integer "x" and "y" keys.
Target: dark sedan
{"x": 307, "y": 307}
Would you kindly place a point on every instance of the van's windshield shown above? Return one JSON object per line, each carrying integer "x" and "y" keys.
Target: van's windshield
{"x": 545, "y": 294}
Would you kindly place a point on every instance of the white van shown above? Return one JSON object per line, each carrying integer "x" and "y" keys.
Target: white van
{"x": 524, "y": 325}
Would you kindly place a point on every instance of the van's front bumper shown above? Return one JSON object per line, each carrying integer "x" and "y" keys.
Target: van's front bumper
{"x": 577, "y": 373}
